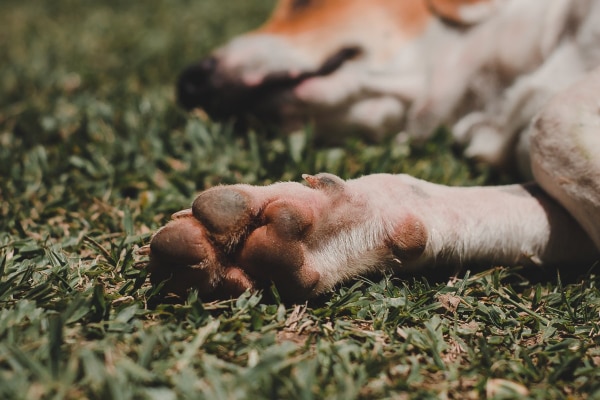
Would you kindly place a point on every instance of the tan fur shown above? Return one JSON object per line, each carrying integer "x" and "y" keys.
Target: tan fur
{"x": 322, "y": 17}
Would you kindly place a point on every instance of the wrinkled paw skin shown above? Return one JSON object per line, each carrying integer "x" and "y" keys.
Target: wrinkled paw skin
{"x": 240, "y": 237}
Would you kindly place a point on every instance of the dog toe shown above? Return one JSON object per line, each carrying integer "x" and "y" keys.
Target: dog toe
{"x": 226, "y": 213}
{"x": 182, "y": 256}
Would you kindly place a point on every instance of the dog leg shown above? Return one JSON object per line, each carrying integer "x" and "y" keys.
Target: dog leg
{"x": 492, "y": 135}
{"x": 565, "y": 151}
{"x": 497, "y": 49}
{"x": 307, "y": 239}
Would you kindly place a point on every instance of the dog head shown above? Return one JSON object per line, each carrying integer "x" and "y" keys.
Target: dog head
{"x": 338, "y": 65}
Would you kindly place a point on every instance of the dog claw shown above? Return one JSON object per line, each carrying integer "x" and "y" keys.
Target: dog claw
{"x": 144, "y": 250}
{"x": 182, "y": 214}
{"x": 324, "y": 181}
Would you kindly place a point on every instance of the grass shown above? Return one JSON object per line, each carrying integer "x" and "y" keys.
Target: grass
{"x": 95, "y": 155}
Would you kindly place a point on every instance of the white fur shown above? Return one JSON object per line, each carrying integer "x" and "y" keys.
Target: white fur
{"x": 502, "y": 225}
{"x": 566, "y": 152}
{"x": 350, "y": 253}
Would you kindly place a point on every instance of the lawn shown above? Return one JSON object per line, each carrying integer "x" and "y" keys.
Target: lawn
{"x": 95, "y": 155}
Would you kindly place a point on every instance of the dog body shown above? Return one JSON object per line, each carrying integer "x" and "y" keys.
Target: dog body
{"x": 502, "y": 64}
{"x": 387, "y": 66}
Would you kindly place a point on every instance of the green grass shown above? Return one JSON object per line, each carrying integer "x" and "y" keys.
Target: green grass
{"x": 95, "y": 155}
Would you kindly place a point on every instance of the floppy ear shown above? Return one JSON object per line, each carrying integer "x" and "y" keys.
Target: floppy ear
{"x": 462, "y": 12}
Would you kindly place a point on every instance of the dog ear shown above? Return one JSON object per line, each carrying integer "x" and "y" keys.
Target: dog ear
{"x": 462, "y": 13}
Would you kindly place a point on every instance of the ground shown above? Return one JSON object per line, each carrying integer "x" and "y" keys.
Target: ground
{"x": 95, "y": 155}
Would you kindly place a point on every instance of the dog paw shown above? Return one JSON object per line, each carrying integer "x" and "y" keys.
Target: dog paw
{"x": 303, "y": 238}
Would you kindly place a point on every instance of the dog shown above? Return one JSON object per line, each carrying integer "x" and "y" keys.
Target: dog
{"x": 488, "y": 67}
{"x": 377, "y": 68}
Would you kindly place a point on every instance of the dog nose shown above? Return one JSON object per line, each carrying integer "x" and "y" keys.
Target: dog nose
{"x": 194, "y": 86}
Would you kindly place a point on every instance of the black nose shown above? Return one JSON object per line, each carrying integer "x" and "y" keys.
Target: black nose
{"x": 194, "y": 87}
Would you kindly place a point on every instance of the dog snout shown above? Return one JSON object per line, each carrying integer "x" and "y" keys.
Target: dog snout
{"x": 194, "y": 85}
